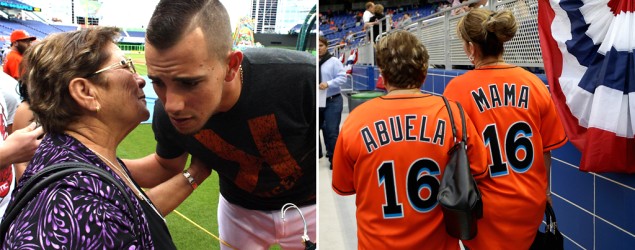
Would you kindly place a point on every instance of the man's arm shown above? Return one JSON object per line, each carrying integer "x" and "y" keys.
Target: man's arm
{"x": 339, "y": 76}
{"x": 152, "y": 170}
{"x": 170, "y": 194}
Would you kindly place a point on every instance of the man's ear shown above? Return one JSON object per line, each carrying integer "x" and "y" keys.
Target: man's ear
{"x": 85, "y": 93}
{"x": 235, "y": 58}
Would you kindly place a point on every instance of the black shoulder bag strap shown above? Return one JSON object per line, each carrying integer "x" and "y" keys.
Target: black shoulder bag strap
{"x": 459, "y": 196}
{"x": 463, "y": 126}
{"x": 463, "y": 139}
{"x": 51, "y": 174}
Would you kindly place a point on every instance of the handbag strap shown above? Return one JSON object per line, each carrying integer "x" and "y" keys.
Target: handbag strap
{"x": 550, "y": 219}
{"x": 463, "y": 126}
{"x": 53, "y": 173}
{"x": 462, "y": 114}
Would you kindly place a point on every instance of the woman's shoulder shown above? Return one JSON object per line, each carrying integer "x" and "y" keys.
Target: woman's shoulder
{"x": 463, "y": 79}
{"x": 79, "y": 182}
{"x": 56, "y": 148}
{"x": 59, "y": 149}
{"x": 80, "y": 199}
{"x": 75, "y": 201}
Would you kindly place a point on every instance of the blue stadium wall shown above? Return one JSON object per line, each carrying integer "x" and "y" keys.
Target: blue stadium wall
{"x": 594, "y": 211}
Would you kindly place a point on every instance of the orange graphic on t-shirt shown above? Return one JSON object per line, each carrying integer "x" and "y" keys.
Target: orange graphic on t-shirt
{"x": 272, "y": 150}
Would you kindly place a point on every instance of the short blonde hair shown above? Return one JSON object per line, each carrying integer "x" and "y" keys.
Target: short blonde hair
{"x": 369, "y": 4}
{"x": 378, "y": 9}
{"x": 403, "y": 60}
{"x": 489, "y": 30}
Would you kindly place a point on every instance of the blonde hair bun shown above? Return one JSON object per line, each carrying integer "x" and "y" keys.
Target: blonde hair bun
{"x": 502, "y": 24}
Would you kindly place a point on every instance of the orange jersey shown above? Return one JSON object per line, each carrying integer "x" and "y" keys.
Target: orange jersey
{"x": 392, "y": 153}
{"x": 12, "y": 63}
{"x": 517, "y": 120}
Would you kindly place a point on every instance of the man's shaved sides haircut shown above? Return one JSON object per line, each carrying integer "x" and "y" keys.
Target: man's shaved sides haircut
{"x": 173, "y": 19}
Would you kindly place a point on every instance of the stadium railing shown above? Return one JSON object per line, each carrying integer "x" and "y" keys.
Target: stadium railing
{"x": 438, "y": 33}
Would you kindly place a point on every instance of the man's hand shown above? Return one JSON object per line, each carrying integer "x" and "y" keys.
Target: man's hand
{"x": 20, "y": 145}
{"x": 168, "y": 195}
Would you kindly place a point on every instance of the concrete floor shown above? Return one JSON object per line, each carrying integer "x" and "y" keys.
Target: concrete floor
{"x": 337, "y": 224}
{"x": 337, "y": 227}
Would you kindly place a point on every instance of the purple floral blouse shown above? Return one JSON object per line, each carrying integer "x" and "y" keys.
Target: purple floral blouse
{"x": 78, "y": 212}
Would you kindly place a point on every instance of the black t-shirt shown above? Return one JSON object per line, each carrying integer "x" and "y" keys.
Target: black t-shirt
{"x": 376, "y": 26}
{"x": 263, "y": 148}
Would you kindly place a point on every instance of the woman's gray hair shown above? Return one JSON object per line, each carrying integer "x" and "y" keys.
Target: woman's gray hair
{"x": 49, "y": 66}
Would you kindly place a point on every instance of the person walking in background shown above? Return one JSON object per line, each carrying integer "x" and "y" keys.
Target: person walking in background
{"x": 250, "y": 115}
{"x": 396, "y": 172}
{"x": 513, "y": 111}
{"x": 87, "y": 96}
{"x": 20, "y": 41}
{"x": 332, "y": 77}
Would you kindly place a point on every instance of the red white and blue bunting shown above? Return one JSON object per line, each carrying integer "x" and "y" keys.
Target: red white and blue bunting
{"x": 588, "y": 50}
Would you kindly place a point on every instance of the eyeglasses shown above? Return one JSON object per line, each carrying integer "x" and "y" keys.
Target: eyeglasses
{"x": 124, "y": 63}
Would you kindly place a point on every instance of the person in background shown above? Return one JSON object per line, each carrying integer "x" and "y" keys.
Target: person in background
{"x": 8, "y": 88}
{"x": 370, "y": 6}
{"x": 5, "y": 51}
{"x": 11, "y": 162}
{"x": 250, "y": 115}
{"x": 20, "y": 41}
{"x": 368, "y": 13}
{"x": 16, "y": 147}
{"x": 332, "y": 77}
{"x": 350, "y": 37}
{"x": 460, "y": 10}
{"x": 376, "y": 21}
{"x": 405, "y": 21}
{"x": 87, "y": 96}
{"x": 396, "y": 172}
{"x": 513, "y": 111}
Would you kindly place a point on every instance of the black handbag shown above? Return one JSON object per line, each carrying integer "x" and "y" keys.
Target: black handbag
{"x": 551, "y": 239}
{"x": 51, "y": 174}
{"x": 459, "y": 196}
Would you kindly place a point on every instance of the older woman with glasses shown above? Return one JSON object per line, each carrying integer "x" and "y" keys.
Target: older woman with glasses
{"x": 88, "y": 97}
